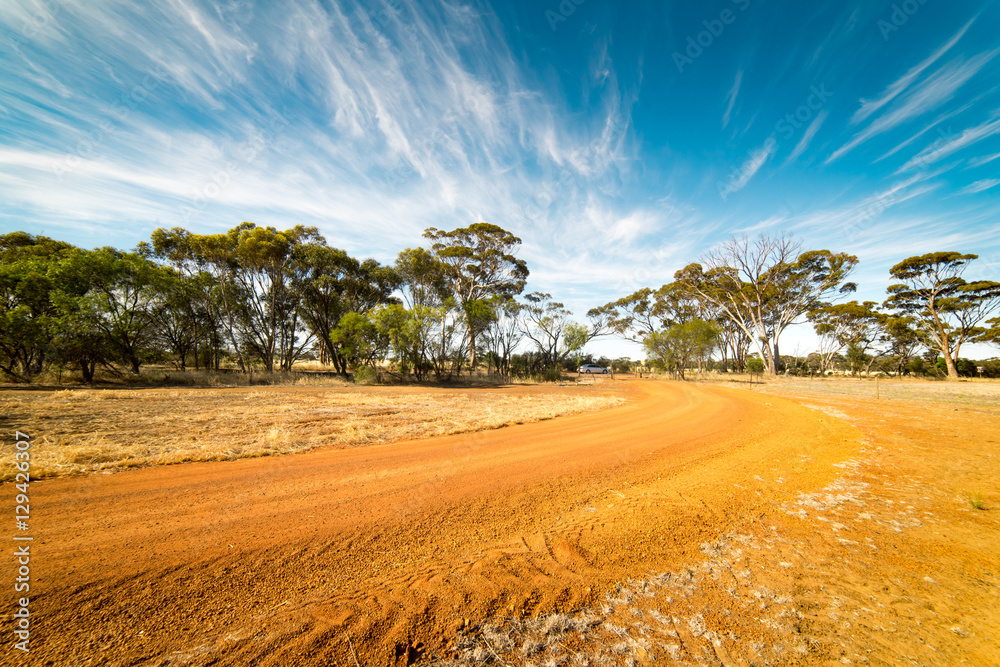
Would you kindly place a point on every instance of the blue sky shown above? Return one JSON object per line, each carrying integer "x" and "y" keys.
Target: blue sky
{"x": 619, "y": 140}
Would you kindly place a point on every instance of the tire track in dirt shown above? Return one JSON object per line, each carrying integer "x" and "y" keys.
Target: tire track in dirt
{"x": 385, "y": 553}
{"x": 882, "y": 566}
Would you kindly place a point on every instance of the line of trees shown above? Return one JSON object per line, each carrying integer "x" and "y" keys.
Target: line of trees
{"x": 746, "y": 293}
{"x": 258, "y": 297}
{"x": 261, "y": 298}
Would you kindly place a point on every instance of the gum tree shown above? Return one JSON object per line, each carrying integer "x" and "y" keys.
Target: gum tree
{"x": 764, "y": 285}
{"x": 946, "y": 309}
{"x": 480, "y": 265}
{"x": 860, "y": 327}
{"x": 676, "y": 346}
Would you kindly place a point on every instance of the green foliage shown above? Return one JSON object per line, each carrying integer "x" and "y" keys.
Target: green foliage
{"x": 409, "y": 332}
{"x": 479, "y": 265}
{"x": 575, "y": 337}
{"x": 763, "y": 286}
{"x": 946, "y": 309}
{"x": 859, "y": 327}
{"x": 755, "y": 365}
{"x": 366, "y": 375}
{"x": 647, "y": 311}
{"x": 360, "y": 341}
{"x": 976, "y": 500}
{"x": 677, "y": 346}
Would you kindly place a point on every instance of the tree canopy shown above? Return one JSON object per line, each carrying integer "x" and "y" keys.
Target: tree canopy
{"x": 946, "y": 309}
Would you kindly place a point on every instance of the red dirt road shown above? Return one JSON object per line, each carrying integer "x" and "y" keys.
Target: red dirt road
{"x": 380, "y": 554}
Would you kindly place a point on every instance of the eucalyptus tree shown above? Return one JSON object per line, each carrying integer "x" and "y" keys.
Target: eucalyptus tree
{"x": 503, "y": 334}
{"x": 764, "y": 285}
{"x": 992, "y": 335}
{"x": 647, "y": 311}
{"x": 29, "y": 278}
{"x": 258, "y": 273}
{"x": 334, "y": 285}
{"x": 208, "y": 261}
{"x": 127, "y": 289}
{"x": 903, "y": 341}
{"x": 543, "y": 321}
{"x": 947, "y": 310}
{"x": 676, "y": 346}
{"x": 176, "y": 317}
{"x": 860, "y": 327}
{"x": 480, "y": 265}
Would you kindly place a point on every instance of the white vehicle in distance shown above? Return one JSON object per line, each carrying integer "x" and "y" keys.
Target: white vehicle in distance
{"x": 592, "y": 369}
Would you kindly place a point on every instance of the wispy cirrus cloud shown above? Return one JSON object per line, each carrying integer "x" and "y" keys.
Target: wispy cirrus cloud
{"x": 980, "y": 186}
{"x": 731, "y": 98}
{"x": 897, "y": 87}
{"x": 985, "y": 159}
{"x": 937, "y": 122}
{"x": 937, "y": 89}
{"x": 943, "y": 149}
{"x": 861, "y": 214}
{"x": 739, "y": 178}
{"x": 808, "y": 135}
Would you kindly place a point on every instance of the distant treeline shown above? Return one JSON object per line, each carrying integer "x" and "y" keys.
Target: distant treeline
{"x": 746, "y": 293}
{"x": 259, "y": 298}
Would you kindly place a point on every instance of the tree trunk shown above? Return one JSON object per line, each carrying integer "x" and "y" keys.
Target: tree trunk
{"x": 87, "y": 369}
{"x": 472, "y": 345}
{"x": 952, "y": 367}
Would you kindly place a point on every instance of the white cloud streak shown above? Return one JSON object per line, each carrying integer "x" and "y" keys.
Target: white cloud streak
{"x": 868, "y": 107}
{"x": 943, "y": 149}
{"x": 808, "y": 135}
{"x": 932, "y": 92}
{"x": 980, "y": 186}
{"x": 731, "y": 98}
{"x": 985, "y": 159}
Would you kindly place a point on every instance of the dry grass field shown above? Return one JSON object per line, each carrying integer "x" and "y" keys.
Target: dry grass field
{"x": 89, "y": 430}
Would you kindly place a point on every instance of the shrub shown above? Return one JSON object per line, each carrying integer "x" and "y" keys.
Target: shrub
{"x": 367, "y": 375}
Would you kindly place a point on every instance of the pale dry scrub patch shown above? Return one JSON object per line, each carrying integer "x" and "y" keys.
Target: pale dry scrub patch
{"x": 965, "y": 392}
{"x": 88, "y": 430}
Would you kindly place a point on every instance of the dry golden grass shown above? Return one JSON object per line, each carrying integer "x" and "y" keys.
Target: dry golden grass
{"x": 88, "y": 430}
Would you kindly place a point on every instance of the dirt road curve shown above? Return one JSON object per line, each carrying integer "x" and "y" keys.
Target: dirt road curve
{"x": 379, "y": 554}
